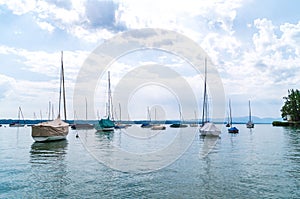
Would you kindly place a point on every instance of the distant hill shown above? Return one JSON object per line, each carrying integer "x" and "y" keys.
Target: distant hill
{"x": 257, "y": 120}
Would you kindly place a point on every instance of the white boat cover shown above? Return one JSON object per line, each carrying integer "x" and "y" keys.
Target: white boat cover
{"x": 210, "y": 129}
{"x": 55, "y": 127}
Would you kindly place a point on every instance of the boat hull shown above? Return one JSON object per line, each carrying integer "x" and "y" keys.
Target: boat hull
{"x": 209, "y": 129}
{"x": 250, "y": 125}
{"x": 82, "y": 126}
{"x": 178, "y": 125}
{"x": 105, "y": 129}
{"x": 49, "y": 138}
{"x": 50, "y": 131}
{"x": 233, "y": 130}
{"x": 158, "y": 127}
{"x": 210, "y": 133}
{"x": 146, "y": 125}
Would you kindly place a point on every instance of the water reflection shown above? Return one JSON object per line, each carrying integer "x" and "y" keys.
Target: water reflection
{"x": 105, "y": 135}
{"x": 209, "y": 143}
{"x": 48, "y": 152}
{"x": 48, "y": 168}
{"x": 292, "y": 154}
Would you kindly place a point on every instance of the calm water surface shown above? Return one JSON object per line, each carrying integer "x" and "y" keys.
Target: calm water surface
{"x": 261, "y": 163}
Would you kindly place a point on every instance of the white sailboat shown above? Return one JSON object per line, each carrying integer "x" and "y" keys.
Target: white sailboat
{"x": 55, "y": 129}
{"x": 207, "y": 128}
{"x": 157, "y": 126}
{"x": 250, "y": 123}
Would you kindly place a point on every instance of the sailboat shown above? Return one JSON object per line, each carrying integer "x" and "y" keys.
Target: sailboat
{"x": 228, "y": 122}
{"x": 18, "y": 124}
{"x": 55, "y": 129}
{"x": 207, "y": 128}
{"x": 119, "y": 125}
{"x": 179, "y": 125}
{"x": 250, "y": 123}
{"x": 81, "y": 126}
{"x": 157, "y": 126}
{"x": 147, "y": 124}
{"x": 106, "y": 124}
{"x": 196, "y": 123}
{"x": 231, "y": 129}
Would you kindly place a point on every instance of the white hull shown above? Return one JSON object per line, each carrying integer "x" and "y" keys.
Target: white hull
{"x": 209, "y": 129}
{"x": 49, "y": 138}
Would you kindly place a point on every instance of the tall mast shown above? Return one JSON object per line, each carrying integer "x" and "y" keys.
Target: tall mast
{"x": 49, "y": 110}
{"x": 85, "y": 109}
{"x": 230, "y": 113}
{"x": 180, "y": 113}
{"x": 148, "y": 112}
{"x": 63, "y": 85}
{"x": 249, "y": 111}
{"x": 62, "y": 89}
{"x": 120, "y": 111}
{"x": 109, "y": 96}
{"x": 204, "y": 110}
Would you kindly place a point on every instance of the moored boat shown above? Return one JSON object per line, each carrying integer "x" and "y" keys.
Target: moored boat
{"x": 106, "y": 124}
{"x": 55, "y": 129}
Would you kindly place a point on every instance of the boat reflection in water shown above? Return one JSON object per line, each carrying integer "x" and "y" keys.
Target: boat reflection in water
{"x": 48, "y": 162}
{"x": 48, "y": 152}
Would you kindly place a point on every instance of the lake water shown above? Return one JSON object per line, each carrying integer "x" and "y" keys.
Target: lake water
{"x": 261, "y": 163}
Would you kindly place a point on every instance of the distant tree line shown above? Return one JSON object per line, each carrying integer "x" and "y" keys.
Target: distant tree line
{"x": 291, "y": 108}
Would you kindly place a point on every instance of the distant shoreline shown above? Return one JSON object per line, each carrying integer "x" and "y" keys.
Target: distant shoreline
{"x": 32, "y": 122}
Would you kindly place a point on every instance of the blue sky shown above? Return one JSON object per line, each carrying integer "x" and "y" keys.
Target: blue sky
{"x": 255, "y": 46}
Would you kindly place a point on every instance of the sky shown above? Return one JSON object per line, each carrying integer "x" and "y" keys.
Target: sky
{"x": 254, "y": 46}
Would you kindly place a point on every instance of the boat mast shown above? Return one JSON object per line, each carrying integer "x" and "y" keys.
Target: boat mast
{"x": 85, "y": 109}
{"x": 120, "y": 112}
{"x": 109, "y": 97}
{"x": 230, "y": 113}
{"x": 149, "y": 115}
{"x": 249, "y": 112}
{"x": 63, "y": 84}
{"x": 19, "y": 115}
{"x": 204, "y": 109}
{"x": 49, "y": 110}
{"x": 180, "y": 114}
{"x": 62, "y": 89}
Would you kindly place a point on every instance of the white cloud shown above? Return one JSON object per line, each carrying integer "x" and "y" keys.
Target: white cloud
{"x": 263, "y": 68}
{"x": 265, "y": 37}
{"x": 20, "y": 7}
{"x": 45, "y": 26}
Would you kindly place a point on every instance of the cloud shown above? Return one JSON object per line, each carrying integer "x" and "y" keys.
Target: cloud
{"x": 6, "y": 86}
{"x": 101, "y": 14}
{"x": 47, "y": 63}
{"x": 45, "y": 26}
{"x": 262, "y": 67}
{"x": 19, "y": 7}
